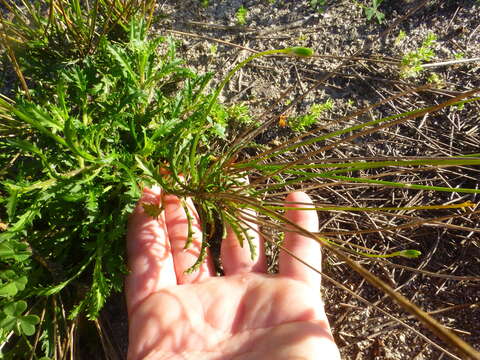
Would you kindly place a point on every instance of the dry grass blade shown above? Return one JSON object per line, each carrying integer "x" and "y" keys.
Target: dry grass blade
{"x": 13, "y": 59}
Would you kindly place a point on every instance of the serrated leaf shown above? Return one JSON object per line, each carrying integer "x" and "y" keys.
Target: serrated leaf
{"x": 145, "y": 166}
{"x": 11, "y": 249}
{"x": 24, "y": 145}
{"x": 71, "y": 139}
{"x": 51, "y": 290}
{"x": 123, "y": 61}
{"x": 78, "y": 77}
{"x": 12, "y": 205}
{"x": 76, "y": 310}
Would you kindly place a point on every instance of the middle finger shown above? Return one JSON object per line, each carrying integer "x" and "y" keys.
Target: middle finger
{"x": 237, "y": 259}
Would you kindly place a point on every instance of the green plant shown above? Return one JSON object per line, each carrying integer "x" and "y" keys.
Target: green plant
{"x": 213, "y": 49}
{"x": 219, "y": 192}
{"x": 302, "y": 38}
{"x": 13, "y": 318}
{"x": 301, "y": 123}
{"x": 81, "y": 150}
{"x": 372, "y": 11}
{"x": 435, "y": 79}
{"x": 411, "y": 64}
{"x": 241, "y": 15}
{"x": 318, "y": 5}
{"x": 240, "y": 113}
{"x": 400, "y": 37}
{"x": 81, "y": 141}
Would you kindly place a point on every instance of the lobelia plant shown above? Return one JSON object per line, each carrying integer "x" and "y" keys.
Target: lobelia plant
{"x": 70, "y": 177}
{"x": 74, "y": 158}
{"x": 219, "y": 192}
{"x": 371, "y": 10}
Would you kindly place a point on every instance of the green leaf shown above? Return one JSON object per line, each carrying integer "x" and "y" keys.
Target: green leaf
{"x": 124, "y": 62}
{"x": 72, "y": 140}
{"x": 15, "y": 309}
{"x": 8, "y": 323}
{"x": 14, "y": 320}
{"x": 12, "y": 205}
{"x": 27, "y": 324}
{"x": 26, "y": 146}
{"x": 11, "y": 249}
{"x": 23, "y": 221}
{"x": 13, "y": 283}
{"x": 79, "y": 79}
{"x": 145, "y": 166}
{"x": 21, "y": 282}
{"x": 8, "y": 289}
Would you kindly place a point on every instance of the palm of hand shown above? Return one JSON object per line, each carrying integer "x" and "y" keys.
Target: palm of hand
{"x": 244, "y": 315}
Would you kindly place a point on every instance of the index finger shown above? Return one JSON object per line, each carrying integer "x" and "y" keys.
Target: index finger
{"x": 148, "y": 250}
{"x": 178, "y": 224}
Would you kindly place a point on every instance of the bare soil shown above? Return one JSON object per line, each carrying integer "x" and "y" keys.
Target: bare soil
{"x": 357, "y": 64}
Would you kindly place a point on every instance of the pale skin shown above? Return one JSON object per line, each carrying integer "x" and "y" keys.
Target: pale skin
{"x": 246, "y": 314}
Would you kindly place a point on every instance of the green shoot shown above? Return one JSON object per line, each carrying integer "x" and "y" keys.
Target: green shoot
{"x": 318, "y": 5}
{"x": 372, "y": 11}
{"x": 400, "y": 37}
{"x": 241, "y": 15}
{"x": 301, "y": 123}
{"x": 412, "y": 62}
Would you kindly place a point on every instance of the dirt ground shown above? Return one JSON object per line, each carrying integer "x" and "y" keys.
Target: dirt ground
{"x": 357, "y": 64}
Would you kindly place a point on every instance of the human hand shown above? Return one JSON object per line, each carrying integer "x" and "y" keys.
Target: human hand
{"x": 245, "y": 314}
